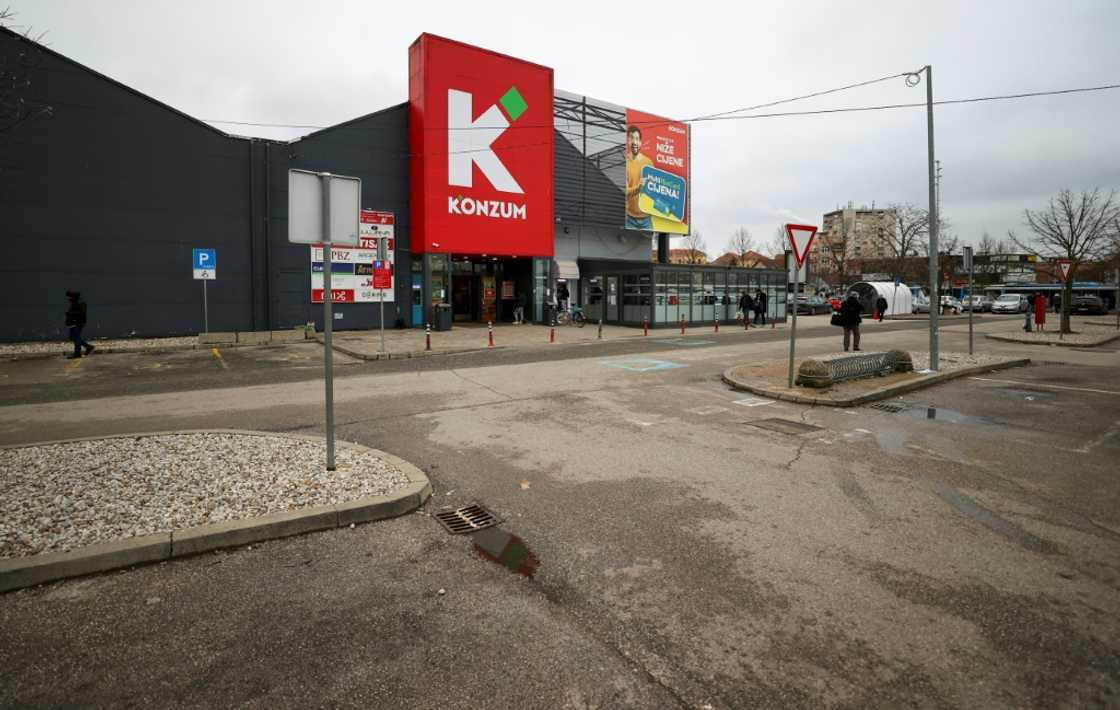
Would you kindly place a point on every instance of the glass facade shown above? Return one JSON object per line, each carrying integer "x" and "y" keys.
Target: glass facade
{"x": 668, "y": 293}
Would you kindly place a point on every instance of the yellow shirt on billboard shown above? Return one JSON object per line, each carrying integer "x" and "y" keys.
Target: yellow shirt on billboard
{"x": 634, "y": 167}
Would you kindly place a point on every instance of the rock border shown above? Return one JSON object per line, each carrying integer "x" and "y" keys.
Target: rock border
{"x": 873, "y": 395}
{"x": 20, "y": 572}
{"x": 1059, "y": 343}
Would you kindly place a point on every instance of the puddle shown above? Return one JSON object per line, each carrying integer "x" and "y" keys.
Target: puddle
{"x": 506, "y": 549}
{"x": 940, "y": 414}
{"x": 1028, "y": 395}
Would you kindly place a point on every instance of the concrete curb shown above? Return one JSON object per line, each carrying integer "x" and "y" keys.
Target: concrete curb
{"x": 20, "y": 572}
{"x": 408, "y": 354}
{"x": 1060, "y": 343}
{"x": 873, "y": 395}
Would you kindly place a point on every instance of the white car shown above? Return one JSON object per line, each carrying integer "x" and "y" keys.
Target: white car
{"x": 949, "y": 303}
{"x": 919, "y": 303}
{"x": 1010, "y": 303}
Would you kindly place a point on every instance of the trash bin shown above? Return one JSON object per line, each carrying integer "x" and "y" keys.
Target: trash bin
{"x": 442, "y": 317}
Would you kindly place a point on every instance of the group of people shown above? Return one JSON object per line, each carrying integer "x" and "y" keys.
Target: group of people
{"x": 755, "y": 305}
{"x": 1036, "y": 305}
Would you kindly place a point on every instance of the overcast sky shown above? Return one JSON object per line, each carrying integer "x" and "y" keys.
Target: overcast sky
{"x": 321, "y": 63}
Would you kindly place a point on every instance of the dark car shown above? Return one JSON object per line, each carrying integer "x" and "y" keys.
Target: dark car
{"x": 1088, "y": 303}
{"x": 812, "y": 305}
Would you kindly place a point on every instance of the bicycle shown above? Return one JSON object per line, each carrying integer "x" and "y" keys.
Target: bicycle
{"x": 571, "y": 316}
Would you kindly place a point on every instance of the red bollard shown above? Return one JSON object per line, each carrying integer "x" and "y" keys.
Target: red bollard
{"x": 682, "y": 325}
{"x": 771, "y": 324}
{"x": 490, "y": 327}
{"x": 645, "y": 325}
{"x": 552, "y": 333}
{"x": 717, "y": 325}
{"x": 427, "y": 336}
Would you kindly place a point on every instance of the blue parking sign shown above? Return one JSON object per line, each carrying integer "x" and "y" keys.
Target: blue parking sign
{"x": 204, "y": 258}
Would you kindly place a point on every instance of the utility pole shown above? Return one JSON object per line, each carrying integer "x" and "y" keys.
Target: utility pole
{"x": 934, "y": 280}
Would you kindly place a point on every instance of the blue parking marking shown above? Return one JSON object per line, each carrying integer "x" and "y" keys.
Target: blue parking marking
{"x": 682, "y": 341}
{"x": 643, "y": 364}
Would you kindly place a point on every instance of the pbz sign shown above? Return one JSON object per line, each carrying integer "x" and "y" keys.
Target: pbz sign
{"x": 205, "y": 264}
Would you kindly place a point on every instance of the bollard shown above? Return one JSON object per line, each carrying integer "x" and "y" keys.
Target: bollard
{"x": 746, "y": 322}
{"x": 645, "y": 325}
{"x": 490, "y": 328}
{"x": 600, "y": 327}
{"x": 682, "y": 325}
{"x": 717, "y": 325}
{"x": 427, "y": 336}
{"x": 552, "y": 332}
{"x": 772, "y": 324}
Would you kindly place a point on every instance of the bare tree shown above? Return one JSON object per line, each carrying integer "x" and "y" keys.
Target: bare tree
{"x": 16, "y": 70}
{"x": 696, "y": 249}
{"x": 779, "y": 242}
{"x": 986, "y": 245}
{"x": 1080, "y": 228}
{"x": 740, "y": 243}
{"x": 905, "y": 238}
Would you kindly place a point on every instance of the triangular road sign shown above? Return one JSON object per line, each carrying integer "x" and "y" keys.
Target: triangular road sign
{"x": 1064, "y": 265}
{"x": 800, "y": 240}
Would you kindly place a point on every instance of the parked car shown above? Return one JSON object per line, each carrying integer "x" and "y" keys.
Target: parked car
{"x": 1010, "y": 303}
{"x": 919, "y": 303}
{"x": 981, "y": 304}
{"x": 1088, "y": 303}
{"x": 812, "y": 305}
{"x": 949, "y": 303}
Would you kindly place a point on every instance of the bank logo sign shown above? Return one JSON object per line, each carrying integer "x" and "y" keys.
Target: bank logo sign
{"x": 481, "y": 139}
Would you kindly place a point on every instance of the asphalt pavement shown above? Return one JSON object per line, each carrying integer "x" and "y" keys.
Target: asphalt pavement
{"x": 677, "y": 544}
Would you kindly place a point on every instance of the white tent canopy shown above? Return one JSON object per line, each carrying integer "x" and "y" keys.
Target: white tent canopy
{"x": 899, "y": 299}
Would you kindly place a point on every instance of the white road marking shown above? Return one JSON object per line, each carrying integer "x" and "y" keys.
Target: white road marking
{"x": 753, "y": 402}
{"x": 1039, "y": 384}
{"x": 707, "y": 410}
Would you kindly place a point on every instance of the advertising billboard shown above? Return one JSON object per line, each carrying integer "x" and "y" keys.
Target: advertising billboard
{"x": 481, "y": 144}
{"x": 657, "y": 166}
{"x": 358, "y": 275}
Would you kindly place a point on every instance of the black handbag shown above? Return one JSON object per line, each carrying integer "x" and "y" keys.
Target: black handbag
{"x": 836, "y": 319}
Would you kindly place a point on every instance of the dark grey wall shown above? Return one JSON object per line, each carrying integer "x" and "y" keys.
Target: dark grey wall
{"x": 109, "y": 194}
{"x": 582, "y": 193}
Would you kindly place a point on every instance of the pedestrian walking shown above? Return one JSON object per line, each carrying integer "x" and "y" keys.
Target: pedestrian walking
{"x": 1057, "y": 303}
{"x": 1029, "y": 313}
{"x": 881, "y": 308}
{"x": 760, "y": 300}
{"x": 746, "y": 305}
{"x": 76, "y": 316}
{"x": 1040, "y": 312}
{"x": 850, "y": 319}
{"x": 519, "y": 310}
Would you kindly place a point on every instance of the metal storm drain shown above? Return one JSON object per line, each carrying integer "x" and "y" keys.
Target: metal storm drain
{"x": 784, "y": 426}
{"x": 466, "y": 519}
{"x": 891, "y": 407}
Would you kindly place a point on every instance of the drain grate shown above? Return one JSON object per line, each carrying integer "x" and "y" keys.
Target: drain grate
{"x": 466, "y": 519}
{"x": 784, "y": 426}
{"x": 891, "y": 407}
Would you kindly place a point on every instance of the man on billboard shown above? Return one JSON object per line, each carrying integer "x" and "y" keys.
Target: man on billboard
{"x": 636, "y": 160}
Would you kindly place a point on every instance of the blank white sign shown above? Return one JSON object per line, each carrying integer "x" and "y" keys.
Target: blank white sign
{"x": 305, "y": 208}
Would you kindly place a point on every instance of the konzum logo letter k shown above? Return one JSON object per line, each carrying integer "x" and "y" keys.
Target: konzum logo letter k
{"x": 468, "y": 142}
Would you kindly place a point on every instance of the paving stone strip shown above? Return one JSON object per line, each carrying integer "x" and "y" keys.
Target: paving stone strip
{"x": 67, "y": 495}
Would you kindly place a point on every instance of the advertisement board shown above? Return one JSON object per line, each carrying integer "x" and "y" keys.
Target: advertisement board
{"x": 481, "y": 137}
{"x": 357, "y": 274}
{"x": 657, "y": 165}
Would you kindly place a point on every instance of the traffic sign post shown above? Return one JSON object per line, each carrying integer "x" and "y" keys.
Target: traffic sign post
{"x": 324, "y": 208}
{"x": 894, "y": 298}
{"x": 204, "y": 263}
{"x": 1064, "y": 266}
{"x": 800, "y": 240}
{"x": 971, "y": 303}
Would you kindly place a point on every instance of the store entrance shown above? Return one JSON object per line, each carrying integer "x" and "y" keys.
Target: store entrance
{"x": 488, "y": 289}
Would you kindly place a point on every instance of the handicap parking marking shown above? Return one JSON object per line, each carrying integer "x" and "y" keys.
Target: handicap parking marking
{"x": 682, "y": 341}
{"x": 752, "y": 402}
{"x": 643, "y": 364}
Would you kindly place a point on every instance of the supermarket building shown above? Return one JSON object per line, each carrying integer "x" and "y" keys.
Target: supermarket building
{"x": 491, "y": 188}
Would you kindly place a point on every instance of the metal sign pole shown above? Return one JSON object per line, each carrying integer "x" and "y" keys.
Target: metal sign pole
{"x": 971, "y": 301}
{"x": 205, "y": 309}
{"x": 328, "y": 317}
{"x": 894, "y": 299}
{"x": 1116, "y": 301}
{"x": 793, "y": 327}
{"x": 381, "y": 292}
{"x": 934, "y": 275}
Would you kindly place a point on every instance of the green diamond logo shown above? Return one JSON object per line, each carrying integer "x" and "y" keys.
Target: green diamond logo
{"x": 513, "y": 103}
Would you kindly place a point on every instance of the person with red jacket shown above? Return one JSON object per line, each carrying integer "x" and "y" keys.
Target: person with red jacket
{"x": 1039, "y": 311}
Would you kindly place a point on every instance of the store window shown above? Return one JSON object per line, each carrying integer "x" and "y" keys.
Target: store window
{"x": 593, "y": 297}
{"x": 635, "y": 297}
{"x": 542, "y": 293}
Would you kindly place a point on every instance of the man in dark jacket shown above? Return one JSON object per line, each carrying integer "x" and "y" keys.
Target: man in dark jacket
{"x": 760, "y": 307}
{"x": 746, "y": 305}
{"x": 850, "y": 312}
{"x": 76, "y": 320}
{"x": 881, "y": 306}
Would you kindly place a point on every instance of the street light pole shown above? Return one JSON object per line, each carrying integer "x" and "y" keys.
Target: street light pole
{"x": 934, "y": 295}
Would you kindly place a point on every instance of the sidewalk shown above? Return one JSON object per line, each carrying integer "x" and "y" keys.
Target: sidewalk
{"x": 467, "y": 337}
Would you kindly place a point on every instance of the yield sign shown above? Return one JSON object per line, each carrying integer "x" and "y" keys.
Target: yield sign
{"x": 1064, "y": 266}
{"x": 800, "y": 239}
